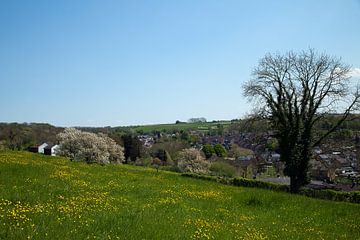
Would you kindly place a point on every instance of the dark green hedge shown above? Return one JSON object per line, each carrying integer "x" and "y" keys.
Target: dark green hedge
{"x": 329, "y": 194}
{"x": 260, "y": 184}
{"x": 353, "y": 197}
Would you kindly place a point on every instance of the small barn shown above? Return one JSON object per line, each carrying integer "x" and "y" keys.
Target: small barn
{"x": 38, "y": 148}
{"x": 51, "y": 150}
{"x": 42, "y": 147}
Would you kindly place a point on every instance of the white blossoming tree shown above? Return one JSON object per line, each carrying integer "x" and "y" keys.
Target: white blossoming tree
{"x": 89, "y": 147}
{"x": 191, "y": 160}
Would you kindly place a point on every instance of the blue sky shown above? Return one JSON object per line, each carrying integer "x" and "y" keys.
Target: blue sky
{"x": 100, "y": 63}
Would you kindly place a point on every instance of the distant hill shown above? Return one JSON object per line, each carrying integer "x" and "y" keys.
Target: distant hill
{"x": 199, "y": 126}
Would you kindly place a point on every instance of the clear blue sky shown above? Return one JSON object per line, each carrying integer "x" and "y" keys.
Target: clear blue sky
{"x": 98, "y": 63}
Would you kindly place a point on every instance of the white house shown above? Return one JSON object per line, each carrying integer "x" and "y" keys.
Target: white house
{"x": 51, "y": 150}
{"x": 42, "y": 147}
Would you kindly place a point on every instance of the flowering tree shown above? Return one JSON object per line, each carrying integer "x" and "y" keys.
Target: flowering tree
{"x": 191, "y": 160}
{"x": 89, "y": 147}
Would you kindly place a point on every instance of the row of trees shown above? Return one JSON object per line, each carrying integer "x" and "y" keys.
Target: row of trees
{"x": 16, "y": 136}
{"x": 214, "y": 150}
{"x": 99, "y": 148}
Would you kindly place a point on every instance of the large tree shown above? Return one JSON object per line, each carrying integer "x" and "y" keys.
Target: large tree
{"x": 89, "y": 147}
{"x": 295, "y": 91}
{"x": 133, "y": 147}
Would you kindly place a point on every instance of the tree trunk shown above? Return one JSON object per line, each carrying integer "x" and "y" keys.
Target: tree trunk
{"x": 295, "y": 184}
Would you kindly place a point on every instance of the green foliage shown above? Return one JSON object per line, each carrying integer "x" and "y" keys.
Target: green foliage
{"x": 220, "y": 151}
{"x": 44, "y": 197}
{"x": 353, "y": 197}
{"x": 180, "y": 126}
{"x": 245, "y": 182}
{"x": 342, "y": 134}
{"x": 208, "y": 150}
{"x": 220, "y": 168}
{"x": 272, "y": 144}
{"x": 168, "y": 158}
{"x": 145, "y": 161}
{"x": 171, "y": 146}
{"x": 170, "y": 168}
{"x": 133, "y": 148}
{"x": 16, "y": 136}
{"x": 236, "y": 151}
{"x": 328, "y": 194}
{"x": 164, "y": 156}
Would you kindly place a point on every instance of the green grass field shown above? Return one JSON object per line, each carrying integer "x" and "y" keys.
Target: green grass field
{"x": 206, "y": 126}
{"x": 52, "y": 198}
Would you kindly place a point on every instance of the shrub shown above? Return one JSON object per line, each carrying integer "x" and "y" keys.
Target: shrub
{"x": 190, "y": 160}
{"x": 220, "y": 150}
{"x": 208, "y": 150}
{"x": 328, "y": 194}
{"x": 244, "y": 182}
{"x": 222, "y": 169}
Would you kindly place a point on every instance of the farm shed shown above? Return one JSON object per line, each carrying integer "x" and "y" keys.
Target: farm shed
{"x": 51, "y": 150}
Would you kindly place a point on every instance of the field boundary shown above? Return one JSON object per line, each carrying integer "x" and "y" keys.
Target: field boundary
{"x": 327, "y": 194}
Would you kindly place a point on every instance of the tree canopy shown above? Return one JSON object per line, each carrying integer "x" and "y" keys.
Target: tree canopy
{"x": 89, "y": 147}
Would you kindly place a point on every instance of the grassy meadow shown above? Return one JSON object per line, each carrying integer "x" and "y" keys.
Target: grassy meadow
{"x": 45, "y": 197}
{"x": 199, "y": 126}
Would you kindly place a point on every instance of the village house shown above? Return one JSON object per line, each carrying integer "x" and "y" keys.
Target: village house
{"x": 38, "y": 148}
{"x": 146, "y": 140}
{"x": 51, "y": 150}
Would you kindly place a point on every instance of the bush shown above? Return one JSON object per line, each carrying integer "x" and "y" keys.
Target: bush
{"x": 329, "y": 194}
{"x": 244, "y": 182}
{"x": 191, "y": 160}
{"x": 220, "y": 150}
{"x": 208, "y": 150}
{"x": 222, "y": 169}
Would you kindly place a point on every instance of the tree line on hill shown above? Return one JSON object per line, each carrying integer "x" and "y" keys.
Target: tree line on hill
{"x": 20, "y": 136}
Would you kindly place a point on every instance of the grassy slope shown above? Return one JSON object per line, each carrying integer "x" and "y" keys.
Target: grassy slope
{"x": 52, "y": 198}
{"x": 181, "y": 126}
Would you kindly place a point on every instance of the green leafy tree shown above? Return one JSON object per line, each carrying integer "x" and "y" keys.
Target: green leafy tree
{"x": 208, "y": 150}
{"x": 133, "y": 147}
{"x": 164, "y": 156}
{"x": 236, "y": 151}
{"x": 220, "y": 151}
